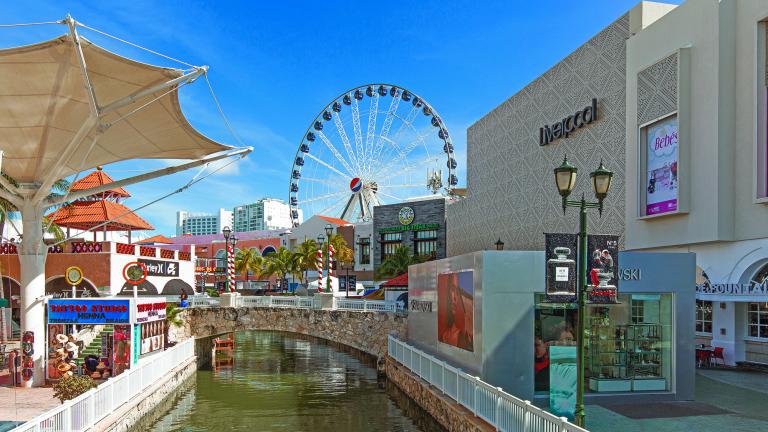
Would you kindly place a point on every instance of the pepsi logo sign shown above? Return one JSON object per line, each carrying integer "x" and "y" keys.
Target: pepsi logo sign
{"x": 356, "y": 184}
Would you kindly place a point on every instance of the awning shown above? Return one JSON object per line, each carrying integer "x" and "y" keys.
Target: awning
{"x": 44, "y": 102}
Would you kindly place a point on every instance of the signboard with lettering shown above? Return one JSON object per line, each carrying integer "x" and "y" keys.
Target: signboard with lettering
{"x": 749, "y": 289}
{"x": 150, "y": 309}
{"x": 561, "y": 275}
{"x": 80, "y": 311}
{"x": 161, "y": 268}
{"x": 414, "y": 227}
{"x": 661, "y": 160}
{"x": 568, "y": 125}
{"x": 603, "y": 267}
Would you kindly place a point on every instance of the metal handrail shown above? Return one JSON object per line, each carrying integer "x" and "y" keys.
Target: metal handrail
{"x": 84, "y": 411}
{"x": 500, "y": 409}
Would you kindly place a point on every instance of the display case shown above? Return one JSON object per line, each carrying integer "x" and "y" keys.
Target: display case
{"x": 625, "y": 358}
{"x": 644, "y": 357}
{"x": 608, "y": 357}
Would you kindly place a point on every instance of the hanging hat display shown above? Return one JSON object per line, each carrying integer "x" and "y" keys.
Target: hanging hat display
{"x": 63, "y": 367}
{"x": 60, "y": 338}
{"x": 71, "y": 347}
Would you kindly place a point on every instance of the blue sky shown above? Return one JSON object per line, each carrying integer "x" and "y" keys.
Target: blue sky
{"x": 274, "y": 65}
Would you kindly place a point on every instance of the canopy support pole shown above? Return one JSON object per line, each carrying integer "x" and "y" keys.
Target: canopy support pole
{"x": 83, "y": 69}
{"x": 191, "y": 76}
{"x": 241, "y": 152}
{"x": 32, "y": 254}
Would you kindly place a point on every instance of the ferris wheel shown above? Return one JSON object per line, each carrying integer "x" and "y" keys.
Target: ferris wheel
{"x": 374, "y": 144}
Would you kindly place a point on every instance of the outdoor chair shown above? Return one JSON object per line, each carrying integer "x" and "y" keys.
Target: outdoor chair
{"x": 717, "y": 353}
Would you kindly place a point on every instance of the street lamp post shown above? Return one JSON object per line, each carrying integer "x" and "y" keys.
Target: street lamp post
{"x": 321, "y": 243}
{"x": 328, "y": 233}
{"x": 565, "y": 179}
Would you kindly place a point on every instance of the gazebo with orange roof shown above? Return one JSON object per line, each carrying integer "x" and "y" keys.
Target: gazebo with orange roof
{"x": 99, "y": 212}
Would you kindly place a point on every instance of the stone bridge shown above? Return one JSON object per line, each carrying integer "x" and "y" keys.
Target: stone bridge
{"x": 364, "y": 331}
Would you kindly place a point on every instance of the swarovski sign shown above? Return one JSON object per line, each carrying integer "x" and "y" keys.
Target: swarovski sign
{"x": 733, "y": 289}
{"x": 568, "y": 125}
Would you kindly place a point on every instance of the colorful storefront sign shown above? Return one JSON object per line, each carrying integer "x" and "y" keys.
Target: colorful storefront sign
{"x": 662, "y": 156}
{"x": 79, "y": 311}
{"x": 161, "y": 268}
{"x": 149, "y": 309}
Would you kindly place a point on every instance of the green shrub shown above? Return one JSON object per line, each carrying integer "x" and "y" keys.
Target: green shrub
{"x": 212, "y": 292}
{"x": 71, "y": 387}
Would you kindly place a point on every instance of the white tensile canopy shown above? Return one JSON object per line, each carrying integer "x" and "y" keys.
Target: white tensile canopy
{"x": 67, "y": 105}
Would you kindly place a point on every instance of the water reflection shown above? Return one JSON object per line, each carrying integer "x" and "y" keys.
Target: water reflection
{"x": 280, "y": 382}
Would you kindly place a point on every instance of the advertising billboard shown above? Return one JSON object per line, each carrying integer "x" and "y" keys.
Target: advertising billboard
{"x": 455, "y": 309}
{"x": 603, "y": 267}
{"x": 661, "y": 161}
{"x": 561, "y": 274}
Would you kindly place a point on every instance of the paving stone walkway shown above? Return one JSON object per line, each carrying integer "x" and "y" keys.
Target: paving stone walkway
{"x": 743, "y": 394}
{"x": 24, "y": 404}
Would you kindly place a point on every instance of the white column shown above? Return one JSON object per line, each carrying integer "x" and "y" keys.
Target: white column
{"x": 32, "y": 256}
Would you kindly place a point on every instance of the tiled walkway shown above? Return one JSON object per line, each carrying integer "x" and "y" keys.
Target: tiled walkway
{"x": 24, "y": 404}
{"x": 744, "y": 394}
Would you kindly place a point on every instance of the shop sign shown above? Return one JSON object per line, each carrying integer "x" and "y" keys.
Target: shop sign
{"x": 161, "y": 268}
{"x": 661, "y": 160}
{"x": 629, "y": 274}
{"x": 421, "y": 306}
{"x": 352, "y": 279}
{"x": 406, "y": 215}
{"x": 149, "y": 309}
{"x": 415, "y": 227}
{"x": 560, "y": 250}
{"x": 205, "y": 269}
{"x": 568, "y": 125}
{"x": 733, "y": 289}
{"x": 76, "y": 311}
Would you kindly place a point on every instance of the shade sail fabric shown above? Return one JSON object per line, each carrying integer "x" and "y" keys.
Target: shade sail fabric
{"x": 44, "y": 102}
{"x": 84, "y": 215}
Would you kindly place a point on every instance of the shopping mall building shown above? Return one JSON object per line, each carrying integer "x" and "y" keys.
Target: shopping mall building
{"x": 672, "y": 99}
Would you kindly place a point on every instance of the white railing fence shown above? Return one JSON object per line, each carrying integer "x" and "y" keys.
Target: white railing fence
{"x": 299, "y": 302}
{"x": 89, "y": 408}
{"x": 502, "y": 410}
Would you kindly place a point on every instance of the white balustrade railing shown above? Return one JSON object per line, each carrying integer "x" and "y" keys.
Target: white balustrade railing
{"x": 502, "y": 410}
{"x": 300, "y": 302}
{"x": 83, "y": 412}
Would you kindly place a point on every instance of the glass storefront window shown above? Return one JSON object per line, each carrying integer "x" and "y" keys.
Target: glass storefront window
{"x": 629, "y": 346}
{"x": 703, "y": 316}
{"x": 757, "y": 320}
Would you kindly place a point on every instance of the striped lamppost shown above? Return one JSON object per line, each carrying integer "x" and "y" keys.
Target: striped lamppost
{"x": 230, "y": 276}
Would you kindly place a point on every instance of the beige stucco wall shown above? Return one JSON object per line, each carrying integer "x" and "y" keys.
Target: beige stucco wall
{"x": 718, "y": 123}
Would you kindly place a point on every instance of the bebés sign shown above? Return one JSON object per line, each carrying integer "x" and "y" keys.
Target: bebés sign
{"x": 568, "y": 125}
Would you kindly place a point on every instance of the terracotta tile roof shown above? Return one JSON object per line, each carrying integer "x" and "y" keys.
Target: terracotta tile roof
{"x": 98, "y": 178}
{"x": 87, "y": 214}
{"x": 156, "y": 239}
{"x": 399, "y": 281}
{"x": 333, "y": 220}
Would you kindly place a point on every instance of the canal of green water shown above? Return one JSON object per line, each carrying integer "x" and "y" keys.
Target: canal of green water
{"x": 283, "y": 382}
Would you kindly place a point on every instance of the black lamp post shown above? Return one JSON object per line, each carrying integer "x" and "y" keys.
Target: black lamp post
{"x": 328, "y": 233}
{"x": 499, "y": 244}
{"x": 350, "y": 266}
{"x": 565, "y": 179}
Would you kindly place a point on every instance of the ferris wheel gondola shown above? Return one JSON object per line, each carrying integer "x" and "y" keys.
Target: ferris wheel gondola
{"x": 371, "y": 145}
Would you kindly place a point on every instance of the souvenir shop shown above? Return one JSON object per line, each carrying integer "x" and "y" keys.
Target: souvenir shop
{"x": 102, "y": 337}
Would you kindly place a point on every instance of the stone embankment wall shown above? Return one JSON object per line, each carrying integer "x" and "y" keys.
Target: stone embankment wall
{"x": 452, "y": 416}
{"x": 364, "y": 331}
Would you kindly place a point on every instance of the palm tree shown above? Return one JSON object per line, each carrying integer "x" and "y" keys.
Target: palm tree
{"x": 249, "y": 261}
{"x": 397, "y": 263}
{"x": 7, "y": 208}
{"x": 341, "y": 252}
{"x": 306, "y": 256}
{"x": 281, "y": 263}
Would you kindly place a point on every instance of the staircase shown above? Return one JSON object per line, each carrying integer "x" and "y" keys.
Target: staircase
{"x": 94, "y": 347}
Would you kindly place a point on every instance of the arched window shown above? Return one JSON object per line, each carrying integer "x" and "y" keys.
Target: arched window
{"x": 268, "y": 250}
{"x": 757, "y": 312}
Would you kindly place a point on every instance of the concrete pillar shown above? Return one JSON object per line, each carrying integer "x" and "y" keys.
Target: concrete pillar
{"x": 32, "y": 254}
